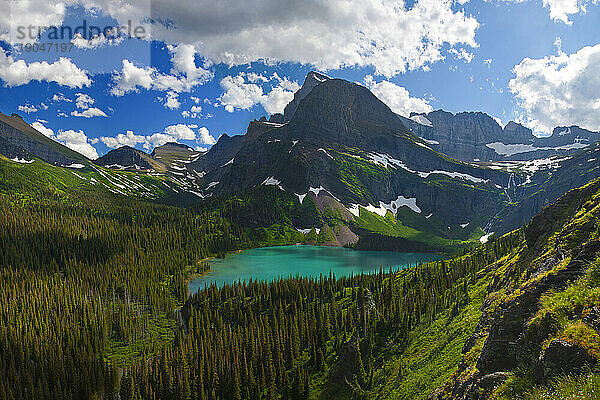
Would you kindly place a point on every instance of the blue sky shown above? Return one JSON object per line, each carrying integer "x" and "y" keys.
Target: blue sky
{"x": 209, "y": 71}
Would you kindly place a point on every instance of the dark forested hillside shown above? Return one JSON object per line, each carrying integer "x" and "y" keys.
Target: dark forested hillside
{"x": 89, "y": 284}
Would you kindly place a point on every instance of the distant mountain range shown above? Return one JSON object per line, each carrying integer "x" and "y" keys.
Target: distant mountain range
{"x": 475, "y": 136}
{"x": 378, "y": 179}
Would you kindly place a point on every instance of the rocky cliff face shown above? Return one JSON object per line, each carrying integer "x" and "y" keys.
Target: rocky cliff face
{"x": 19, "y": 139}
{"x": 221, "y": 153}
{"x": 175, "y": 155}
{"x": 475, "y": 136}
{"x": 344, "y": 143}
{"x": 545, "y": 181}
{"x": 462, "y": 136}
{"x": 312, "y": 79}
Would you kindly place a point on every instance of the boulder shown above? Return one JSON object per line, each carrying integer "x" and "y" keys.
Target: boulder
{"x": 562, "y": 357}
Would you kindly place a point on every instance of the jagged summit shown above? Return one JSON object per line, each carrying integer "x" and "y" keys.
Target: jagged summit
{"x": 476, "y": 136}
{"x": 310, "y": 82}
{"x": 338, "y": 111}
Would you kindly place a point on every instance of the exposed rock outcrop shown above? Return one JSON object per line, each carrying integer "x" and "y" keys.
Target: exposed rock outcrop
{"x": 562, "y": 357}
{"x": 312, "y": 79}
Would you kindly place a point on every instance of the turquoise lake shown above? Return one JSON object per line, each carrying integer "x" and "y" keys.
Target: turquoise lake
{"x": 270, "y": 263}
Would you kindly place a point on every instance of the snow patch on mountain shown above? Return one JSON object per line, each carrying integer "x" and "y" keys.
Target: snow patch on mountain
{"x": 434, "y": 142}
{"x": 326, "y": 153}
{"x": 22, "y": 160}
{"x": 199, "y": 194}
{"x": 271, "y": 181}
{"x": 424, "y": 146}
{"x": 354, "y": 209}
{"x": 455, "y": 175}
{"x": 392, "y": 206}
{"x": 508, "y": 150}
{"x": 301, "y": 197}
{"x": 421, "y": 119}
{"x": 307, "y": 230}
{"x": 388, "y": 161}
{"x": 485, "y": 238}
{"x": 317, "y": 191}
{"x": 565, "y": 132}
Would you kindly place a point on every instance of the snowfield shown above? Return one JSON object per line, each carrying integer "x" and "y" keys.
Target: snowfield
{"x": 271, "y": 181}
{"x": 388, "y": 161}
{"x": 508, "y": 150}
{"x": 230, "y": 162}
{"x": 421, "y": 119}
{"x": 383, "y": 208}
{"x": 22, "y": 160}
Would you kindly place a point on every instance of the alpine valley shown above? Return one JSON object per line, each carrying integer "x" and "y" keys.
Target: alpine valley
{"x": 96, "y": 256}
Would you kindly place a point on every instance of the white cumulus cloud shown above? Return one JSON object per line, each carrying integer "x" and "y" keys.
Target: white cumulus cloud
{"x": 40, "y": 127}
{"x": 171, "y": 100}
{"x": 64, "y": 72}
{"x": 560, "y": 10}
{"x": 561, "y": 89}
{"x": 89, "y": 113}
{"x": 123, "y": 139}
{"x": 28, "y": 108}
{"x": 84, "y": 102}
{"x": 243, "y": 92}
{"x": 181, "y": 131}
{"x": 172, "y": 133}
{"x": 397, "y": 97}
{"x": 184, "y": 76}
{"x": 77, "y": 141}
{"x": 329, "y": 34}
{"x": 205, "y": 137}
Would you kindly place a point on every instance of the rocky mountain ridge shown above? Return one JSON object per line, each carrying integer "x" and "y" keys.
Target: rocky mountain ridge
{"x": 476, "y": 136}
{"x": 18, "y": 140}
{"x": 343, "y": 148}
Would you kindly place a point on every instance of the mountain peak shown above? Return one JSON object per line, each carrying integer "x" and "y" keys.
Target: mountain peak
{"x": 343, "y": 112}
{"x": 512, "y": 126}
{"x": 314, "y": 76}
{"x": 312, "y": 80}
{"x": 127, "y": 157}
{"x": 174, "y": 145}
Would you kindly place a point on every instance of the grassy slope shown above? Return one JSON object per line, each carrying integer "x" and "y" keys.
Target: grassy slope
{"x": 29, "y": 180}
{"x": 430, "y": 357}
{"x": 354, "y": 170}
{"x": 561, "y": 310}
{"x": 433, "y": 352}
